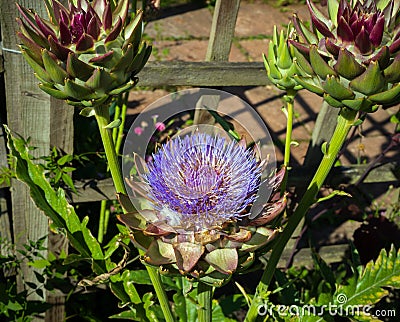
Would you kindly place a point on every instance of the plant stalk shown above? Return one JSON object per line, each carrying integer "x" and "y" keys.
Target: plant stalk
{"x": 289, "y": 98}
{"x": 103, "y": 119}
{"x": 204, "y": 296}
{"x": 345, "y": 121}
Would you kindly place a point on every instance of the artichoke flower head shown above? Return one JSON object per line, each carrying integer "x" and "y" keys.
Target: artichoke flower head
{"x": 200, "y": 190}
{"x": 86, "y": 53}
{"x": 351, "y": 56}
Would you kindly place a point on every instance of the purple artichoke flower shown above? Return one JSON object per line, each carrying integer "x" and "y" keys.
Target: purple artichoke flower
{"x": 352, "y": 56}
{"x": 86, "y": 53}
{"x": 199, "y": 220}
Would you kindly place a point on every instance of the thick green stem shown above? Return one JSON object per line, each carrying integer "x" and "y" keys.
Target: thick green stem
{"x": 103, "y": 119}
{"x": 100, "y": 234}
{"x": 345, "y": 121}
{"x": 204, "y": 296}
{"x": 161, "y": 295}
{"x": 289, "y": 98}
{"x": 120, "y": 134}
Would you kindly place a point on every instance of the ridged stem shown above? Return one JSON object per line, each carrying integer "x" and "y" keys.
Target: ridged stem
{"x": 204, "y": 296}
{"x": 160, "y": 292}
{"x": 289, "y": 98}
{"x": 345, "y": 121}
{"x": 103, "y": 119}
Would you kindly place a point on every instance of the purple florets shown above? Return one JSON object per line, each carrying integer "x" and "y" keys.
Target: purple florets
{"x": 201, "y": 181}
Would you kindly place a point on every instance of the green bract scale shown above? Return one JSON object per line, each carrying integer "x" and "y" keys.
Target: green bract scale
{"x": 351, "y": 57}
{"x": 86, "y": 53}
{"x": 279, "y": 62}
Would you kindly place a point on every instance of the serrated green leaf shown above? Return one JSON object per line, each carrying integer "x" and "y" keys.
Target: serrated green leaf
{"x": 129, "y": 286}
{"x": 148, "y": 303}
{"x": 91, "y": 242}
{"x": 368, "y": 288}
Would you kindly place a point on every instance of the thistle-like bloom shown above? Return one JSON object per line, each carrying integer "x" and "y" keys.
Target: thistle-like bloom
{"x": 200, "y": 190}
{"x": 84, "y": 54}
{"x": 201, "y": 181}
{"x": 352, "y": 57}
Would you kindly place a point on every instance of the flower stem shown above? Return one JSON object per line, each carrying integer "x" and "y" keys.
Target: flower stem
{"x": 103, "y": 119}
{"x": 161, "y": 295}
{"x": 345, "y": 121}
{"x": 204, "y": 296}
{"x": 289, "y": 98}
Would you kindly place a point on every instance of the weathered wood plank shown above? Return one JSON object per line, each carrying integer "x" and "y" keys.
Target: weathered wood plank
{"x": 104, "y": 189}
{"x": 211, "y": 74}
{"x": 330, "y": 254}
{"x": 222, "y": 30}
{"x": 28, "y": 114}
{"x": 62, "y": 137}
{"x": 324, "y": 126}
{"x": 219, "y": 44}
{"x": 5, "y": 213}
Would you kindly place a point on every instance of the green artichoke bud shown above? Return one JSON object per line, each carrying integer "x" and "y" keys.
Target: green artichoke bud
{"x": 279, "y": 62}
{"x": 85, "y": 54}
{"x": 199, "y": 219}
{"x": 352, "y": 57}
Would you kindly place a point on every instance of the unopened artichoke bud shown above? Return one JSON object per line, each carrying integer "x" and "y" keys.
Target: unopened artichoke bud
{"x": 279, "y": 62}
{"x": 199, "y": 220}
{"x": 84, "y": 54}
{"x": 351, "y": 56}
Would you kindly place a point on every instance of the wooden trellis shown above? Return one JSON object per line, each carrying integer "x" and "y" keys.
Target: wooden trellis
{"x": 30, "y": 112}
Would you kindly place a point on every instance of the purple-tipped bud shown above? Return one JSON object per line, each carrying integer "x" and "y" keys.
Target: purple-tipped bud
{"x": 376, "y": 34}
{"x": 107, "y": 17}
{"x": 84, "y": 43}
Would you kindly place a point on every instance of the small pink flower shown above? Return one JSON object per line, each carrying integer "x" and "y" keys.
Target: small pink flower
{"x": 138, "y": 130}
{"x": 155, "y": 117}
{"x": 148, "y": 158}
{"x": 160, "y": 126}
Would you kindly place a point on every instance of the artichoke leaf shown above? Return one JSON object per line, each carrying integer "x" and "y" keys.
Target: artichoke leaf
{"x": 336, "y": 89}
{"x": 55, "y": 71}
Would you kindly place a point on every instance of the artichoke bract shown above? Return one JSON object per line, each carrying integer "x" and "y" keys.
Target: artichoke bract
{"x": 84, "y": 54}
{"x": 352, "y": 57}
{"x": 279, "y": 62}
{"x": 199, "y": 220}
